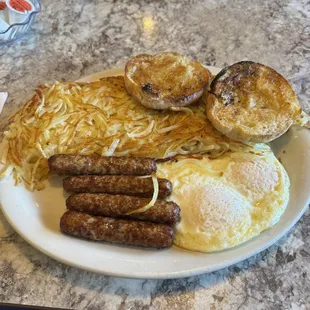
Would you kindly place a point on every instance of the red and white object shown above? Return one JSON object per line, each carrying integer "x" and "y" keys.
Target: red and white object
{"x": 19, "y": 10}
{"x": 14, "y": 12}
{"x": 4, "y": 19}
{"x": 20, "y": 6}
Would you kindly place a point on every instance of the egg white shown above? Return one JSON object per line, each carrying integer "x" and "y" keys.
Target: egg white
{"x": 225, "y": 201}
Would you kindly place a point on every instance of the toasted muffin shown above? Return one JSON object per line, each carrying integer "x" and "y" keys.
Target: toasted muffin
{"x": 165, "y": 80}
{"x": 248, "y": 101}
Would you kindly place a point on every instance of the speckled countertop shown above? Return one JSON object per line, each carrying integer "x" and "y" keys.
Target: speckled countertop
{"x": 71, "y": 39}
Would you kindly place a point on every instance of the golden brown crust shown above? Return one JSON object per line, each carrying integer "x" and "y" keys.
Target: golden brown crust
{"x": 251, "y": 102}
{"x": 165, "y": 80}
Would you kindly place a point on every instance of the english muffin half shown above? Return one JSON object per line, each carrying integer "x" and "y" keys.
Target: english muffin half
{"x": 165, "y": 80}
{"x": 248, "y": 101}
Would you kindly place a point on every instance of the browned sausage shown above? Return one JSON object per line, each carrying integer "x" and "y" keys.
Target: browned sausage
{"x": 129, "y": 232}
{"x": 162, "y": 211}
{"x": 112, "y": 184}
{"x": 95, "y": 164}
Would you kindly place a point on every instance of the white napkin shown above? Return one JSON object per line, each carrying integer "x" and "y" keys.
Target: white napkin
{"x": 3, "y": 97}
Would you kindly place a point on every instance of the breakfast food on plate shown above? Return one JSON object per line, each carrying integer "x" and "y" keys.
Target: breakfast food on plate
{"x": 84, "y": 218}
{"x": 129, "y": 232}
{"x": 96, "y": 164}
{"x": 102, "y": 118}
{"x": 115, "y": 184}
{"x": 248, "y": 101}
{"x": 226, "y": 201}
{"x": 166, "y": 212}
{"x": 165, "y": 80}
{"x": 136, "y": 172}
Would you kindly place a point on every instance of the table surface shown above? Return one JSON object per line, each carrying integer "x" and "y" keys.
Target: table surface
{"x": 71, "y": 39}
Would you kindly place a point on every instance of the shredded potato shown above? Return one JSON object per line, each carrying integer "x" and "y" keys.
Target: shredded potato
{"x": 101, "y": 118}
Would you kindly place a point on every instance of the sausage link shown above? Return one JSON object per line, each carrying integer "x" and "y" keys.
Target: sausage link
{"x": 112, "y": 184}
{"x": 162, "y": 211}
{"x": 63, "y": 164}
{"x": 129, "y": 232}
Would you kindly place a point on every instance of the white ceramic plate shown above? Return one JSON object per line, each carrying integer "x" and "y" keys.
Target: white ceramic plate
{"x": 35, "y": 216}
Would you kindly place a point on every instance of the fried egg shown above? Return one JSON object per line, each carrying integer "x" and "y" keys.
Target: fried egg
{"x": 226, "y": 201}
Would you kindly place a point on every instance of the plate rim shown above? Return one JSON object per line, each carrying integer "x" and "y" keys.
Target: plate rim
{"x": 146, "y": 274}
{"x": 161, "y": 276}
